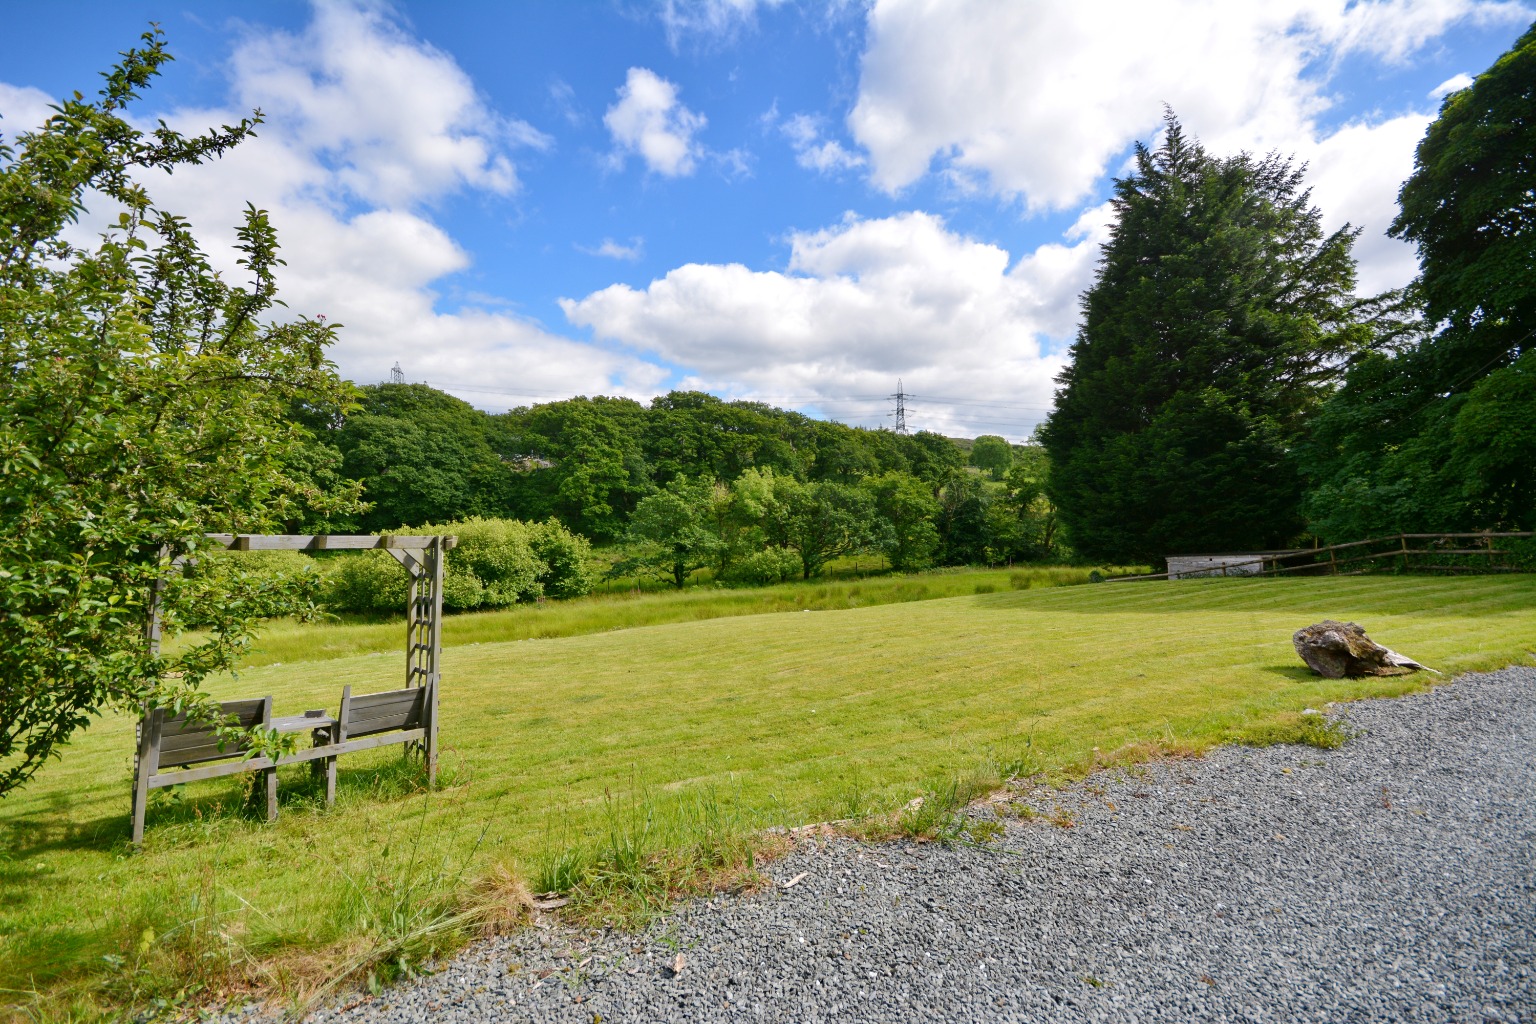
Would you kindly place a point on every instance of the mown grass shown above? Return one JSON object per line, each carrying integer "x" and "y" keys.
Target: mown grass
{"x": 291, "y": 641}
{"x": 629, "y": 765}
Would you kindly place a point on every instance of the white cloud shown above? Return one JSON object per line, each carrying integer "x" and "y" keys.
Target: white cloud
{"x": 1395, "y": 29}
{"x": 22, "y": 109}
{"x": 650, "y": 121}
{"x": 616, "y": 250}
{"x": 711, "y": 19}
{"x": 812, "y": 151}
{"x": 398, "y": 120}
{"x": 366, "y": 128}
{"x": 1035, "y": 103}
{"x": 1455, "y": 83}
{"x": 1355, "y": 174}
{"x": 861, "y": 303}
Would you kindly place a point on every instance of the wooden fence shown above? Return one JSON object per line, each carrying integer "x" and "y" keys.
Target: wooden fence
{"x": 1419, "y": 552}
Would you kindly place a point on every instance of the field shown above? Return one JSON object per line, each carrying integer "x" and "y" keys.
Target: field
{"x": 565, "y": 756}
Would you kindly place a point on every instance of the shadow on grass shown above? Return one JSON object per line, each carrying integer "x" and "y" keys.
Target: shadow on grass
{"x": 188, "y": 813}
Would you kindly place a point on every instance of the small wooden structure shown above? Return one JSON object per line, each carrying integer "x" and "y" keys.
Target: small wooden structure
{"x": 362, "y": 722}
{"x": 1248, "y": 563}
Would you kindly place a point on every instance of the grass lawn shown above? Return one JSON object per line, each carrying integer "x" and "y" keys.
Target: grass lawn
{"x": 651, "y": 737}
{"x": 290, "y": 641}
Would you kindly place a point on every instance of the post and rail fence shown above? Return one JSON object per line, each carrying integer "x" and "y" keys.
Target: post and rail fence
{"x": 1403, "y": 552}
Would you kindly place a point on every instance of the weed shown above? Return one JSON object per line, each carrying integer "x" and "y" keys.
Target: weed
{"x": 936, "y": 815}
{"x": 409, "y": 906}
{"x": 984, "y": 831}
{"x": 1061, "y": 817}
{"x": 654, "y": 850}
{"x": 1311, "y": 730}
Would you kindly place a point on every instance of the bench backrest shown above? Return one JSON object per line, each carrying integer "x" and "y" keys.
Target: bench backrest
{"x": 184, "y": 742}
{"x": 368, "y": 713}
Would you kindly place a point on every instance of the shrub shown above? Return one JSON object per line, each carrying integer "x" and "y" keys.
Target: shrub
{"x": 770, "y": 565}
{"x": 494, "y": 565}
{"x": 567, "y": 558}
{"x": 497, "y": 563}
{"x": 370, "y": 582}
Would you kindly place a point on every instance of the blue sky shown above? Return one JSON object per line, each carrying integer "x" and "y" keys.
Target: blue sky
{"x": 788, "y": 201}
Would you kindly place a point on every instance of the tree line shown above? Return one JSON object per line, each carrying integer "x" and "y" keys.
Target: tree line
{"x": 740, "y": 487}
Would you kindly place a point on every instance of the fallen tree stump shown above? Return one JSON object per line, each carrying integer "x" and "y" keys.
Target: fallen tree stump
{"x": 1337, "y": 649}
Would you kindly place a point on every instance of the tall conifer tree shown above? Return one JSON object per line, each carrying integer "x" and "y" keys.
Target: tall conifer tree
{"x": 1218, "y": 314}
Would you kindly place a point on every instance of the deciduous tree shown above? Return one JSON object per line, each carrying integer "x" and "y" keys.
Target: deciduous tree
{"x": 908, "y": 507}
{"x": 144, "y": 400}
{"x": 993, "y": 454}
{"x": 673, "y": 526}
{"x": 1436, "y": 432}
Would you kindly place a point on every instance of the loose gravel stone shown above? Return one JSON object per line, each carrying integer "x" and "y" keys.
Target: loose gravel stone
{"x": 1389, "y": 880}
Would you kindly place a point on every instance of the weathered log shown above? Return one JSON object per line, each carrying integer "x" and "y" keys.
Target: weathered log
{"x": 1337, "y": 649}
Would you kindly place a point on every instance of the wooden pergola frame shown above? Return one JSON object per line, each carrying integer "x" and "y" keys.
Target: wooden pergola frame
{"x": 423, "y": 558}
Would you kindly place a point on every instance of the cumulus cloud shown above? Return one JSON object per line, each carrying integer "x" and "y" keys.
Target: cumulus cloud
{"x": 1035, "y": 103}
{"x": 22, "y": 109}
{"x": 366, "y": 127}
{"x": 861, "y": 303}
{"x": 648, "y": 120}
{"x": 398, "y": 120}
{"x": 1455, "y": 83}
{"x": 1037, "y": 100}
{"x": 1355, "y": 174}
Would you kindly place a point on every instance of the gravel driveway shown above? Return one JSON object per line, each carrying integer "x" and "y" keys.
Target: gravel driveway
{"x": 1389, "y": 880}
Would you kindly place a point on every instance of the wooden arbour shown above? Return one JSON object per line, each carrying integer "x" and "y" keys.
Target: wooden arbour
{"x": 423, "y": 559}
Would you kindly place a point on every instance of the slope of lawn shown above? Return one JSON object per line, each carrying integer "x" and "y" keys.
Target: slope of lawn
{"x": 695, "y": 727}
{"x": 597, "y": 613}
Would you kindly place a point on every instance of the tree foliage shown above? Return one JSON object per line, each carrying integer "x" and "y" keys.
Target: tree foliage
{"x": 993, "y": 454}
{"x": 677, "y": 530}
{"x": 144, "y": 400}
{"x": 1213, "y": 329}
{"x": 1438, "y": 431}
{"x": 909, "y": 510}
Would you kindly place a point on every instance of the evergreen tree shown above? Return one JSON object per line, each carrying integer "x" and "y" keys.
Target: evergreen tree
{"x": 1216, "y": 320}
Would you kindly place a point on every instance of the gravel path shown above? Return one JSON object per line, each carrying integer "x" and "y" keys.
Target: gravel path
{"x": 1389, "y": 880}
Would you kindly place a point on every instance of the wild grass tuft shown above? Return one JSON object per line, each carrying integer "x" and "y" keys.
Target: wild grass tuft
{"x": 1309, "y": 730}
{"x": 656, "y": 848}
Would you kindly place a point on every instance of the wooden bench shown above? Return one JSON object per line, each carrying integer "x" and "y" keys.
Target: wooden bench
{"x": 168, "y": 741}
{"x": 377, "y": 719}
{"x": 364, "y": 721}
